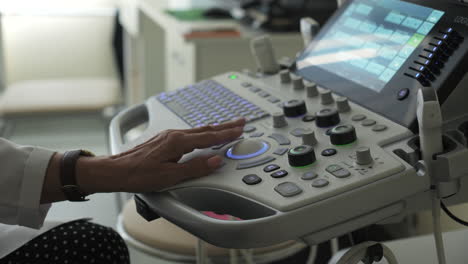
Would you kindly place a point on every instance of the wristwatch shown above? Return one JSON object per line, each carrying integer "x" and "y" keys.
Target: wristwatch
{"x": 70, "y": 188}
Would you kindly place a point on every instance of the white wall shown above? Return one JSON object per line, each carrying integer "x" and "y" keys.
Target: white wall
{"x": 57, "y": 39}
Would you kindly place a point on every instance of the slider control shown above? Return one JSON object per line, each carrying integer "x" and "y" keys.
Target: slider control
{"x": 326, "y": 97}
{"x": 309, "y": 138}
{"x": 311, "y": 89}
{"x": 279, "y": 120}
{"x": 342, "y": 104}
{"x": 285, "y": 76}
{"x": 298, "y": 83}
{"x": 363, "y": 156}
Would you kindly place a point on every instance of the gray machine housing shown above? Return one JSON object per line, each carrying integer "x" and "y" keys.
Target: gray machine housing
{"x": 394, "y": 185}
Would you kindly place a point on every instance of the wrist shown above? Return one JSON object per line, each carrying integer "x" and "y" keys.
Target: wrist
{"x": 96, "y": 175}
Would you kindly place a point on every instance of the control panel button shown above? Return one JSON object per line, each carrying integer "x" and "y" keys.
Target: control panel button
{"x": 327, "y": 118}
{"x": 294, "y": 108}
{"x": 288, "y": 189}
{"x": 263, "y": 94}
{"x": 425, "y": 71}
{"x": 403, "y": 94}
{"x": 368, "y": 122}
{"x": 280, "y": 139}
{"x": 312, "y": 90}
{"x": 358, "y": 117}
{"x": 326, "y": 97}
{"x": 329, "y": 152}
{"x": 363, "y": 156}
{"x": 249, "y": 129}
{"x": 419, "y": 77}
{"x": 427, "y": 55}
{"x": 301, "y": 156}
{"x": 343, "y": 135}
{"x": 309, "y": 138}
{"x": 254, "y": 89}
{"x": 342, "y": 104}
{"x": 280, "y": 151}
{"x": 308, "y": 176}
{"x": 379, "y": 128}
{"x": 343, "y": 173}
{"x": 279, "y": 174}
{"x": 257, "y": 134}
{"x": 333, "y": 168}
{"x": 254, "y": 163}
{"x": 273, "y": 100}
{"x": 298, "y": 83}
{"x": 285, "y": 76}
{"x": 308, "y": 118}
{"x": 320, "y": 183}
{"x": 246, "y": 84}
{"x": 251, "y": 179}
{"x": 279, "y": 120}
{"x": 299, "y": 132}
{"x": 271, "y": 167}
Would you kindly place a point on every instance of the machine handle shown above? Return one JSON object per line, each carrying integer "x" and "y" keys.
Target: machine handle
{"x": 124, "y": 121}
{"x": 220, "y": 232}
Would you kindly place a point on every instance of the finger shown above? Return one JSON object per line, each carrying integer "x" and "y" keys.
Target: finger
{"x": 236, "y": 123}
{"x": 208, "y": 139}
{"x": 198, "y": 167}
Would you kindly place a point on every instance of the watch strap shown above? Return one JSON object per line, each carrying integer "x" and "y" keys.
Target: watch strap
{"x": 70, "y": 188}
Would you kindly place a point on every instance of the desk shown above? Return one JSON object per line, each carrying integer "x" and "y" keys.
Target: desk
{"x": 162, "y": 55}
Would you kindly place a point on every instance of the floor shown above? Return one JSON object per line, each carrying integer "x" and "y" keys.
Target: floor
{"x": 63, "y": 133}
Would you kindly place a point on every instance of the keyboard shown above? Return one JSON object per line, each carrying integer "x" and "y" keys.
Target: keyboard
{"x": 210, "y": 103}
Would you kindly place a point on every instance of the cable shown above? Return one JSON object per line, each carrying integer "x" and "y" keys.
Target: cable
{"x": 451, "y": 215}
{"x": 357, "y": 253}
{"x": 312, "y": 255}
{"x": 351, "y": 239}
{"x": 437, "y": 228}
{"x": 334, "y": 246}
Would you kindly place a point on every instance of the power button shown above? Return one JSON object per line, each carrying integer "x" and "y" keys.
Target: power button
{"x": 403, "y": 94}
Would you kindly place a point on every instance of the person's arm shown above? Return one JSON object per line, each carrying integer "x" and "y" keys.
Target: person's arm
{"x": 151, "y": 166}
{"x": 22, "y": 172}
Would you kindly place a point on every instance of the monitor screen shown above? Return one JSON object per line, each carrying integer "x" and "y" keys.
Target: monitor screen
{"x": 370, "y": 41}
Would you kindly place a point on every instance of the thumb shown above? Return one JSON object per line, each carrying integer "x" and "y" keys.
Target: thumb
{"x": 200, "y": 166}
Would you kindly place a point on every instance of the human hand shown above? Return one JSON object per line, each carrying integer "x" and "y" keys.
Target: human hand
{"x": 154, "y": 165}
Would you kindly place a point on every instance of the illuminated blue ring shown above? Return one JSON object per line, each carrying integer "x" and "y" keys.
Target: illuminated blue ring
{"x": 264, "y": 149}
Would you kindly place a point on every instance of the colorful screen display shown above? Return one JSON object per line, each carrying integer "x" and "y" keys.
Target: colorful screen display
{"x": 371, "y": 41}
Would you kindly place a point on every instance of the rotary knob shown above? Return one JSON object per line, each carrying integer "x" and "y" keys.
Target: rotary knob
{"x": 279, "y": 120}
{"x": 363, "y": 156}
{"x": 294, "y": 108}
{"x": 298, "y": 83}
{"x": 309, "y": 138}
{"x": 327, "y": 118}
{"x": 326, "y": 97}
{"x": 343, "y": 135}
{"x": 342, "y": 104}
{"x": 285, "y": 76}
{"x": 301, "y": 156}
{"x": 311, "y": 89}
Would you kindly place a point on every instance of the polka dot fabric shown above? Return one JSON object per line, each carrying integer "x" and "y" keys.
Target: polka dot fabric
{"x": 77, "y": 242}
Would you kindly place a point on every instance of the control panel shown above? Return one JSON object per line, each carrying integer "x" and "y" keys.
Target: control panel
{"x": 318, "y": 155}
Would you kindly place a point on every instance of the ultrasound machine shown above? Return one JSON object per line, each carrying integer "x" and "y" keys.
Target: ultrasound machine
{"x": 368, "y": 125}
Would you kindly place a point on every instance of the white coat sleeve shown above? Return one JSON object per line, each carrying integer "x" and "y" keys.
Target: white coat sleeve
{"x": 22, "y": 174}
